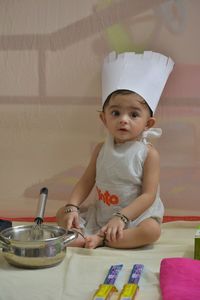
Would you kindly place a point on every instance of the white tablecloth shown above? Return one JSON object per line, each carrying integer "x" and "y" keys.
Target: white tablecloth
{"x": 82, "y": 270}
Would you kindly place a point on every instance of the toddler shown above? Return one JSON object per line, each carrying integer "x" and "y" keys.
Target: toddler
{"x": 125, "y": 169}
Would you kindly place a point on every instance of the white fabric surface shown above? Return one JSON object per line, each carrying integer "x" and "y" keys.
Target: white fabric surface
{"x": 82, "y": 270}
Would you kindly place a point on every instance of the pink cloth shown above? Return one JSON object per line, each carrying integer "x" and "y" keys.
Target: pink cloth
{"x": 180, "y": 279}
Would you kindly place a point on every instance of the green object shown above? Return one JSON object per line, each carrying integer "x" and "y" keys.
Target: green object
{"x": 197, "y": 244}
{"x": 119, "y": 39}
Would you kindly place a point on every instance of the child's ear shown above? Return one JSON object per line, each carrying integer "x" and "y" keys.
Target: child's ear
{"x": 102, "y": 117}
{"x": 150, "y": 123}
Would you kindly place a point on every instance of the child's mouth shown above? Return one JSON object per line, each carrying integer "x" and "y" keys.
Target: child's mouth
{"x": 123, "y": 129}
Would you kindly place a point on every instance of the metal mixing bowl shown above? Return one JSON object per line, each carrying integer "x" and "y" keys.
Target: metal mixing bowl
{"x": 21, "y": 250}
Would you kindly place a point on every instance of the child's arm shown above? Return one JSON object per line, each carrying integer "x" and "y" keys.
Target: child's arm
{"x": 80, "y": 192}
{"x": 151, "y": 174}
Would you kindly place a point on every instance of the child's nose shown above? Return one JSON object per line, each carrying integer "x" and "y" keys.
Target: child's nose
{"x": 124, "y": 120}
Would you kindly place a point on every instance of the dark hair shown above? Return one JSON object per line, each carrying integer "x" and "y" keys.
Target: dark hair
{"x": 122, "y": 92}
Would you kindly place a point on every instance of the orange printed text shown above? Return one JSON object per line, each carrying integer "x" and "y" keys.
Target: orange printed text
{"x": 107, "y": 198}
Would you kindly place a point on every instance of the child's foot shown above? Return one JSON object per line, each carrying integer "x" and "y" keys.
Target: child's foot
{"x": 79, "y": 241}
{"x": 94, "y": 241}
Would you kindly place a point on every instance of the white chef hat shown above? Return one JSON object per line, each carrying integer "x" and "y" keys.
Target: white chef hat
{"x": 145, "y": 74}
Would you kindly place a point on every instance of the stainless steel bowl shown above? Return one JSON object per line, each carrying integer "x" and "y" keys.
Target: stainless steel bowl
{"x": 20, "y": 250}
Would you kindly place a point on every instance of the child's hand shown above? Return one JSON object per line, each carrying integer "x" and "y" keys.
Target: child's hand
{"x": 113, "y": 230}
{"x": 67, "y": 220}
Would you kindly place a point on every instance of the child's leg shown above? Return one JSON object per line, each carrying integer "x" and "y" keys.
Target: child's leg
{"x": 147, "y": 232}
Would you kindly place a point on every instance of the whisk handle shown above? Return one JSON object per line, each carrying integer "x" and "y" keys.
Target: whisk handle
{"x": 41, "y": 205}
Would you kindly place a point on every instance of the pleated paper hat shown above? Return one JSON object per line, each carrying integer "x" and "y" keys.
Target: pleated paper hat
{"x": 145, "y": 74}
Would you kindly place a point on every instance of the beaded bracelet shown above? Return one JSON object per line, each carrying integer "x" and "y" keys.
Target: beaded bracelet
{"x": 70, "y": 208}
{"x": 77, "y": 207}
{"x": 122, "y": 217}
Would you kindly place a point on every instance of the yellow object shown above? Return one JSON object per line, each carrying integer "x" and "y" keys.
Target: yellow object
{"x": 128, "y": 292}
{"x": 104, "y": 292}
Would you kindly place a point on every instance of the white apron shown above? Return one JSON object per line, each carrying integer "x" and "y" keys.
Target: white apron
{"x": 119, "y": 173}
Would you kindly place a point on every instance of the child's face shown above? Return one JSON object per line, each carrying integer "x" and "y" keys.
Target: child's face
{"x": 126, "y": 117}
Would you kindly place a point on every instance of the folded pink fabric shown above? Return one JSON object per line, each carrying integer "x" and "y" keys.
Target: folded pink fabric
{"x": 180, "y": 279}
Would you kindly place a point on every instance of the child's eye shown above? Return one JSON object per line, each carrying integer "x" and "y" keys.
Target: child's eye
{"x": 134, "y": 114}
{"x": 115, "y": 113}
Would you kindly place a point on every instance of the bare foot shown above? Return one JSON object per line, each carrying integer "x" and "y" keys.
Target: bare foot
{"x": 94, "y": 241}
{"x": 79, "y": 241}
